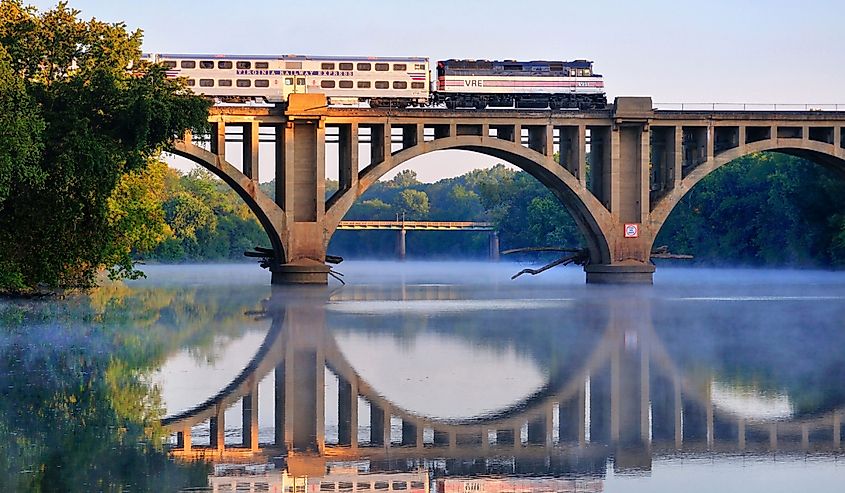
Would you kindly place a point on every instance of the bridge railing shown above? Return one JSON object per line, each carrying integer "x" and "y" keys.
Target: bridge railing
{"x": 750, "y": 106}
{"x": 432, "y": 225}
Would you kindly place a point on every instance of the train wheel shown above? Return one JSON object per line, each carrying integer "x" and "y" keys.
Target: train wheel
{"x": 554, "y": 105}
{"x": 451, "y": 104}
{"x": 480, "y": 104}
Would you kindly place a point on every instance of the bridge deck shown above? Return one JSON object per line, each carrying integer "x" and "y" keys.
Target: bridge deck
{"x": 417, "y": 225}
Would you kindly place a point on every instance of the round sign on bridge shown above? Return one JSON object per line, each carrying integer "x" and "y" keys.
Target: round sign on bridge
{"x": 632, "y": 230}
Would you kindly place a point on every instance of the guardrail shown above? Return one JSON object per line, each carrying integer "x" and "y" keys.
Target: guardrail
{"x": 749, "y": 106}
{"x": 428, "y": 225}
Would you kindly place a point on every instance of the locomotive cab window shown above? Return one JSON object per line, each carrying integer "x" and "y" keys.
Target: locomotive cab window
{"x": 587, "y": 72}
{"x": 419, "y": 66}
{"x": 169, "y": 64}
{"x": 288, "y": 81}
{"x": 262, "y": 65}
{"x": 327, "y": 66}
{"x": 364, "y": 66}
{"x": 225, "y": 64}
{"x": 262, "y": 83}
{"x": 244, "y": 83}
{"x": 206, "y": 82}
{"x": 244, "y": 65}
{"x": 300, "y": 81}
{"x": 327, "y": 84}
{"x": 188, "y": 64}
{"x": 382, "y": 67}
{"x": 206, "y": 64}
{"x": 400, "y": 67}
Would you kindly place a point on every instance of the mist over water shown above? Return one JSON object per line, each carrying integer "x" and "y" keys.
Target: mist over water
{"x": 710, "y": 380}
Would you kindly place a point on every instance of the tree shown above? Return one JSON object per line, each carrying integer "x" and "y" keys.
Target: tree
{"x": 412, "y": 203}
{"x": 404, "y": 179}
{"x": 82, "y": 110}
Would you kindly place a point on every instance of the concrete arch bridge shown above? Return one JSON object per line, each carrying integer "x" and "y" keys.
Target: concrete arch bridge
{"x": 642, "y": 162}
{"x": 626, "y": 399}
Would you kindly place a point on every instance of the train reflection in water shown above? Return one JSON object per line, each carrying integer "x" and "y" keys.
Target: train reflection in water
{"x": 615, "y": 398}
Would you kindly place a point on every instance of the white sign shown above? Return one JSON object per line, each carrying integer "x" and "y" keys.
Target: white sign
{"x": 632, "y": 230}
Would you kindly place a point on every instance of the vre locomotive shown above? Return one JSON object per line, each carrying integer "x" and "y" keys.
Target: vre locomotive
{"x": 389, "y": 81}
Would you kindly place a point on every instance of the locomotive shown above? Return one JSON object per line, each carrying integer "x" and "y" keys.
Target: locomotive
{"x": 389, "y": 81}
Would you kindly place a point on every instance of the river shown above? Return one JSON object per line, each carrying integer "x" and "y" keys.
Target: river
{"x": 436, "y": 376}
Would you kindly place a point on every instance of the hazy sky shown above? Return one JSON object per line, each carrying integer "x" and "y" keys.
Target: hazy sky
{"x": 772, "y": 51}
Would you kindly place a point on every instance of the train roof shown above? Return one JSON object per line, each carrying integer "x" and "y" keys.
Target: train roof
{"x": 197, "y": 56}
{"x": 459, "y": 63}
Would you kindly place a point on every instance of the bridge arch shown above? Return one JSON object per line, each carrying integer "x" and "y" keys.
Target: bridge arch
{"x": 268, "y": 213}
{"x": 589, "y": 214}
{"x": 824, "y": 154}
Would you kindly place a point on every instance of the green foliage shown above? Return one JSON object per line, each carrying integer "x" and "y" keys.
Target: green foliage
{"x": 761, "y": 209}
{"x": 412, "y": 204}
{"x": 75, "y": 119}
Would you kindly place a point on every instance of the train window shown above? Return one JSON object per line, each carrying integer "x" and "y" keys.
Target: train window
{"x": 364, "y": 66}
{"x": 191, "y": 82}
{"x": 400, "y": 485}
{"x": 327, "y": 84}
{"x": 224, "y": 82}
{"x": 345, "y": 66}
{"x": 344, "y": 486}
{"x": 206, "y": 82}
{"x": 300, "y": 81}
{"x": 345, "y": 84}
{"x": 382, "y": 67}
{"x": 188, "y": 64}
{"x": 419, "y": 66}
{"x": 417, "y": 485}
{"x": 417, "y": 85}
{"x": 556, "y": 67}
{"x": 244, "y": 83}
{"x": 327, "y": 66}
{"x": 262, "y": 65}
{"x": 262, "y": 83}
{"x": 293, "y": 65}
{"x": 244, "y": 65}
{"x": 363, "y": 486}
{"x": 400, "y": 84}
{"x": 224, "y": 64}
{"x": 206, "y": 64}
{"x": 382, "y": 84}
{"x": 288, "y": 81}
{"x": 400, "y": 67}
{"x": 587, "y": 72}
{"x": 381, "y": 485}
{"x": 363, "y": 84}
{"x": 326, "y": 486}
{"x": 169, "y": 64}
{"x": 517, "y": 68}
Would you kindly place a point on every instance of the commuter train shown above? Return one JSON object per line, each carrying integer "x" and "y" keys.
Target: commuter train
{"x": 390, "y": 81}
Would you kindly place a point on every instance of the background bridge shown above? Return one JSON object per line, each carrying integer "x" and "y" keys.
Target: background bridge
{"x": 401, "y": 226}
{"x": 619, "y": 171}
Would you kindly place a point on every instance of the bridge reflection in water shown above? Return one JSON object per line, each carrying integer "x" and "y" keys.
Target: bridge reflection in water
{"x": 624, "y": 401}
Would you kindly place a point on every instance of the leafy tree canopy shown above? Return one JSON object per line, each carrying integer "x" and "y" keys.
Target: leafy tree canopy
{"x": 79, "y": 109}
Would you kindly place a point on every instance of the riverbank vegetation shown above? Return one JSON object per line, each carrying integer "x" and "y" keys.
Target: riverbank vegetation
{"x": 79, "y": 112}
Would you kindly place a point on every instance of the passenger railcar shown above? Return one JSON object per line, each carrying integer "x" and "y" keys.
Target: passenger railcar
{"x": 536, "y": 84}
{"x": 379, "y": 81}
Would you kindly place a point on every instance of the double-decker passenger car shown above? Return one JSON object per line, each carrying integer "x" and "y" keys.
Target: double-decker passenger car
{"x": 537, "y": 84}
{"x": 379, "y": 81}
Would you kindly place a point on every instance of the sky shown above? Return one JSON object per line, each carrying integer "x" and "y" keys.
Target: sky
{"x": 727, "y": 51}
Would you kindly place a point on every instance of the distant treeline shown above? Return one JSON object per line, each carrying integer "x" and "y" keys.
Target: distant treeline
{"x": 762, "y": 209}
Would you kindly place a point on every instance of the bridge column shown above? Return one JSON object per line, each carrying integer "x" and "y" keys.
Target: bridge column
{"x": 183, "y": 439}
{"x": 494, "y": 246}
{"x": 572, "y": 418}
{"x": 250, "y": 419}
{"x": 400, "y": 243}
{"x": 627, "y": 232}
{"x": 347, "y": 413}
{"x": 300, "y": 177}
{"x": 573, "y": 149}
{"x": 217, "y": 429}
